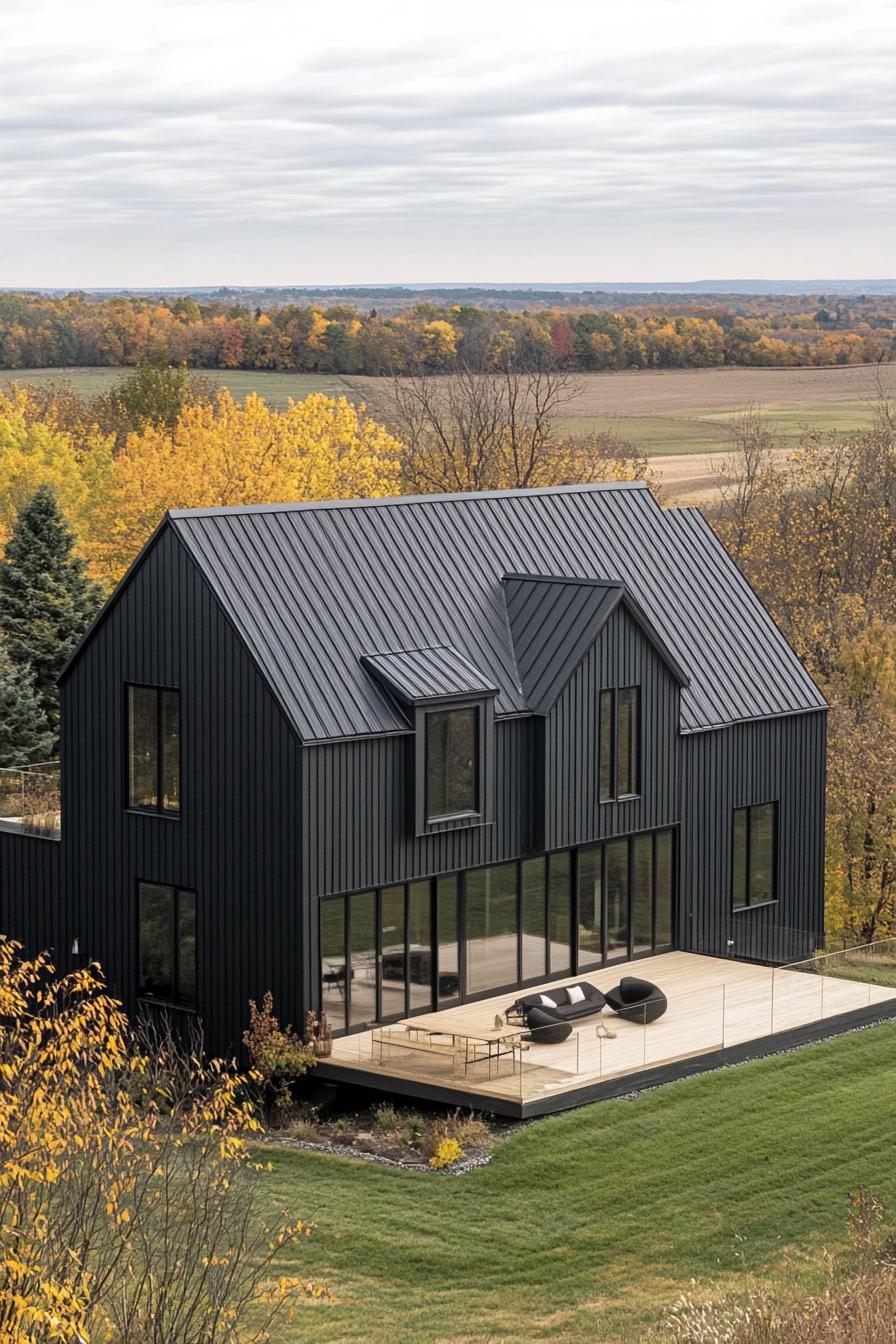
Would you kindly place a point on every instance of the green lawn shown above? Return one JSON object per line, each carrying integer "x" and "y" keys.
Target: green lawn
{"x": 585, "y": 1226}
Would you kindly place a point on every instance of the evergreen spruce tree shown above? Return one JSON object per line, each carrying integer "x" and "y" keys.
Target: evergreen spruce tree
{"x": 25, "y": 736}
{"x": 46, "y": 599}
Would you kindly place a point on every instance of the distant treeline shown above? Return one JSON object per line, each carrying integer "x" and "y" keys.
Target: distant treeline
{"x": 43, "y": 331}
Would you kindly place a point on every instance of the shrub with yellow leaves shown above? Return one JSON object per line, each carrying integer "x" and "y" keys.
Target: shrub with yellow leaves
{"x": 128, "y": 1195}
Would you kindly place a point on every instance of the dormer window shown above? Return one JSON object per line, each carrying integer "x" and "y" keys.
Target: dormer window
{"x": 452, "y": 763}
{"x": 450, "y": 706}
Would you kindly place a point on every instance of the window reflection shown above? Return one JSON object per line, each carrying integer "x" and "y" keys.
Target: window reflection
{"x": 491, "y": 920}
{"x": 534, "y": 922}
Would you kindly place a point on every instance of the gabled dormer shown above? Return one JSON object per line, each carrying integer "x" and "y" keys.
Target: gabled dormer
{"x": 604, "y": 688}
{"x": 450, "y": 705}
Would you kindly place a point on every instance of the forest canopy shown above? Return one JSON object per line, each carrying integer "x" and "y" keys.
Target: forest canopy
{"x": 59, "y": 331}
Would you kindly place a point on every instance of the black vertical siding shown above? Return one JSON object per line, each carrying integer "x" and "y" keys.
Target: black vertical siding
{"x": 31, "y": 891}
{"x": 780, "y": 760}
{"x": 357, "y": 827}
{"x": 237, "y": 842}
{"x": 621, "y": 656}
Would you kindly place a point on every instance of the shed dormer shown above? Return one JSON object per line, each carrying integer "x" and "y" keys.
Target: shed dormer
{"x": 450, "y": 704}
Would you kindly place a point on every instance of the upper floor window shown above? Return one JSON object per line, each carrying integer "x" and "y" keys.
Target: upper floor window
{"x": 620, "y": 745}
{"x": 167, "y": 944}
{"x": 153, "y": 749}
{"x": 452, "y": 763}
{"x": 754, "y": 855}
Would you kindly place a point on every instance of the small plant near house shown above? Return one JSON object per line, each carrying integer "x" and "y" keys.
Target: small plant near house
{"x": 387, "y": 1119}
{"x": 278, "y": 1056}
{"x": 413, "y": 1131}
{"x": 446, "y": 1154}
{"x": 318, "y": 1034}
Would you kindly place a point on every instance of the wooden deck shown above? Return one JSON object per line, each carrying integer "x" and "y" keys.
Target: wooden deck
{"x": 719, "y": 1010}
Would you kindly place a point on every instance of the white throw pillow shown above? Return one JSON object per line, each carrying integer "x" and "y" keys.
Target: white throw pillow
{"x": 547, "y": 1001}
{"x": 576, "y": 993}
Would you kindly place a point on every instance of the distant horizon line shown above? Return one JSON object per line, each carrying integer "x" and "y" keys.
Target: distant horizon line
{"x": 721, "y": 285}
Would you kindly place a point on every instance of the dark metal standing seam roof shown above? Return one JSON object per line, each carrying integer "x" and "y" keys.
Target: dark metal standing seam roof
{"x": 428, "y": 674}
{"x": 553, "y": 623}
{"x": 311, "y": 588}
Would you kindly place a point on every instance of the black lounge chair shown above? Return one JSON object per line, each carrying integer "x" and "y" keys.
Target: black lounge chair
{"x": 559, "y": 1004}
{"x": 544, "y": 1029}
{"x": 637, "y": 1000}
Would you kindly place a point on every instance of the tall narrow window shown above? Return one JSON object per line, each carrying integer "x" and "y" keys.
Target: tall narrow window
{"x": 534, "y": 924}
{"x": 560, "y": 913}
{"x": 393, "y": 957}
{"x": 619, "y": 747}
{"x": 452, "y": 763}
{"x": 607, "y": 724}
{"x": 492, "y": 927}
{"x": 754, "y": 855}
{"x": 333, "y": 977}
{"x": 167, "y": 944}
{"x": 362, "y": 963}
{"x": 449, "y": 938}
{"x": 153, "y": 747}
{"x": 419, "y": 945}
{"x": 627, "y": 742}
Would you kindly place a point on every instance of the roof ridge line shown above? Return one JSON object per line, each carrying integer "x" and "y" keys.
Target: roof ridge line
{"x": 563, "y": 578}
{"x": 396, "y": 501}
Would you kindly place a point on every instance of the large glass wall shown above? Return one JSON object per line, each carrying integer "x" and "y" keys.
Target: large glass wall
{"x": 416, "y": 946}
{"x": 492, "y": 927}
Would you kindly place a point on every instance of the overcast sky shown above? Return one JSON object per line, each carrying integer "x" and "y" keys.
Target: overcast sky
{"x": 177, "y": 142}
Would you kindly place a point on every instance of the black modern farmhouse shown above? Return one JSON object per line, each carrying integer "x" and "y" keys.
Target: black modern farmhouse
{"x": 391, "y": 757}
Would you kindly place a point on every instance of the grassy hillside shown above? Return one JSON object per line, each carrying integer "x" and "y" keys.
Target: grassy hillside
{"x": 585, "y": 1226}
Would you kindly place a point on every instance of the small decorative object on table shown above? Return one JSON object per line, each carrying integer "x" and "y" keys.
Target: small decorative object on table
{"x": 499, "y": 1022}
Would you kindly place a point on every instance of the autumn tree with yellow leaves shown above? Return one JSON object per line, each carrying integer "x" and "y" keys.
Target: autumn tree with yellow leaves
{"x": 128, "y": 1204}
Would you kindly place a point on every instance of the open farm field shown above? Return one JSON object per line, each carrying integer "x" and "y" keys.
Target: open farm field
{"x": 276, "y": 388}
{"x": 664, "y": 412}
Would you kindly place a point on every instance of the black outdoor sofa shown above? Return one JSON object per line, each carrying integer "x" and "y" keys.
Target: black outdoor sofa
{"x": 549, "y": 1013}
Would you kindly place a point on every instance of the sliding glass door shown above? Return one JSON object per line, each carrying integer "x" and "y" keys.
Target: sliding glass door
{"x": 415, "y": 946}
{"x": 625, "y": 898}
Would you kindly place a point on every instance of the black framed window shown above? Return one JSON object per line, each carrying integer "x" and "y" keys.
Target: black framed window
{"x": 167, "y": 943}
{"x": 452, "y": 763}
{"x": 153, "y": 749}
{"x": 754, "y": 855}
{"x": 619, "y": 746}
{"x": 377, "y": 959}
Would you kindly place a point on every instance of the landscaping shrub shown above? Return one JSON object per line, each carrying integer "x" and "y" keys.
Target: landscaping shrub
{"x": 279, "y": 1057}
